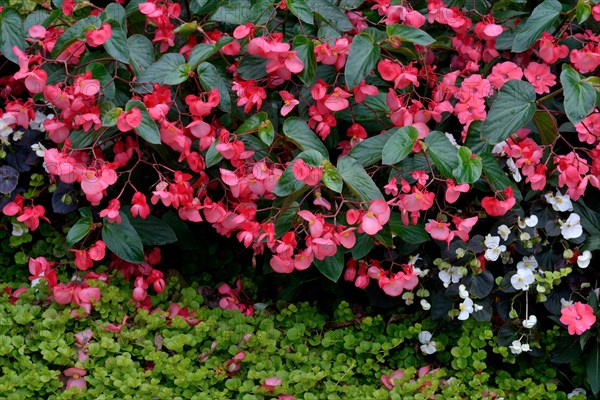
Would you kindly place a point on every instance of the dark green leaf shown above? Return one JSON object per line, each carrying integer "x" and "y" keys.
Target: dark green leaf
{"x": 369, "y": 151}
{"x": 78, "y": 231}
{"x": 409, "y": 34}
{"x": 593, "y": 368}
{"x": 332, "y": 14}
{"x": 147, "y": 129}
{"x": 75, "y": 32}
{"x": 117, "y": 13}
{"x": 592, "y": 243}
{"x": 580, "y": 96}
{"x": 170, "y": 69}
{"x": 287, "y": 183}
{"x": 210, "y": 78}
{"x": 442, "y": 152}
{"x": 512, "y": 109}
{"x": 364, "y": 244}
{"x": 546, "y": 126}
{"x": 364, "y": 54}
{"x": 567, "y": 350}
{"x": 123, "y": 240}
{"x": 469, "y": 166}
{"x": 201, "y": 52}
{"x": 541, "y": 20}
{"x": 116, "y": 46}
{"x": 301, "y": 10}
{"x": 35, "y": 18}
{"x": 583, "y": 11}
{"x": 479, "y": 285}
{"x": 415, "y": 234}
{"x": 11, "y": 34}
{"x": 590, "y": 219}
{"x": 331, "y": 267}
{"x": 251, "y": 124}
{"x": 252, "y": 67}
{"x": 266, "y": 133}
{"x": 213, "y": 156}
{"x": 399, "y": 146}
{"x": 331, "y": 177}
{"x": 106, "y": 81}
{"x": 303, "y": 137}
{"x": 357, "y": 180}
{"x": 152, "y": 231}
{"x": 473, "y": 140}
{"x": 305, "y": 48}
{"x": 235, "y": 12}
{"x": 143, "y": 56}
{"x": 496, "y": 176}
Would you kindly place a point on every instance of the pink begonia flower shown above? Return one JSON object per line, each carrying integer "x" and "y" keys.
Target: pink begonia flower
{"x": 453, "y": 191}
{"x": 578, "y": 317}
{"x": 112, "y": 211}
{"x": 315, "y": 223}
{"x": 97, "y": 37}
{"x": 76, "y": 379}
{"x": 377, "y": 216}
{"x": 289, "y": 102}
{"x": 504, "y": 72}
{"x": 337, "y": 100}
{"x": 540, "y": 77}
{"x": 129, "y": 120}
{"x": 438, "y": 230}
{"x": 271, "y": 383}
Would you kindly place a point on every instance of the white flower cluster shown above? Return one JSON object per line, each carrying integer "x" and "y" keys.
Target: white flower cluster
{"x": 517, "y": 347}
{"x": 428, "y": 346}
{"x": 494, "y": 248}
{"x": 467, "y": 307}
{"x": 525, "y": 273}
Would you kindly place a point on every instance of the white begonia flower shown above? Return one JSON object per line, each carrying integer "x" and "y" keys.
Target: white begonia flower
{"x": 425, "y": 305}
{"x": 530, "y": 322}
{"x": 510, "y": 163}
{"x": 462, "y": 292}
{"x": 577, "y": 391}
{"x": 449, "y": 276}
{"x": 452, "y": 140}
{"x": 529, "y": 263}
{"x": 565, "y": 303}
{"x": 37, "y": 280}
{"x": 477, "y": 307}
{"x": 503, "y": 231}
{"x": 5, "y": 129}
{"x": 19, "y": 230}
{"x": 531, "y": 221}
{"x": 559, "y": 202}
{"x": 499, "y": 148}
{"x": 427, "y": 345}
{"x": 39, "y": 149}
{"x": 517, "y": 347}
{"x": 571, "y": 228}
{"x": 17, "y": 135}
{"x": 413, "y": 259}
{"x": 466, "y": 308}
{"x": 491, "y": 242}
{"x": 494, "y": 253}
{"x": 583, "y": 260}
{"x": 522, "y": 279}
{"x": 38, "y": 122}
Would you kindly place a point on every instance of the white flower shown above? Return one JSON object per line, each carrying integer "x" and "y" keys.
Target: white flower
{"x": 491, "y": 242}
{"x": 17, "y": 135}
{"x": 522, "y": 279}
{"x": 452, "y": 140}
{"x": 38, "y": 122}
{"x": 583, "y": 260}
{"x": 425, "y": 305}
{"x": 36, "y": 281}
{"x": 510, "y": 163}
{"x": 565, "y": 303}
{"x": 462, "y": 292}
{"x": 19, "y": 230}
{"x": 529, "y": 263}
{"x": 413, "y": 259}
{"x": 531, "y": 221}
{"x": 503, "y": 231}
{"x": 517, "y": 348}
{"x": 427, "y": 345}
{"x": 559, "y": 202}
{"x": 493, "y": 253}
{"x": 530, "y": 322}
{"x": 5, "y": 129}
{"x": 451, "y": 275}
{"x": 499, "y": 148}
{"x": 571, "y": 228}
{"x": 477, "y": 307}
{"x": 39, "y": 149}
{"x": 577, "y": 391}
{"x": 466, "y": 308}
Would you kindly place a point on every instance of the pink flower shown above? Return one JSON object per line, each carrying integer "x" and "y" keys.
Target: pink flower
{"x": 129, "y": 120}
{"x": 289, "y": 102}
{"x": 112, "y": 211}
{"x": 139, "y": 205}
{"x": 578, "y": 317}
{"x": 377, "y": 215}
{"x": 76, "y": 379}
{"x": 497, "y": 208}
{"x": 453, "y": 191}
{"x": 315, "y": 223}
{"x": 504, "y": 72}
{"x": 337, "y": 100}
{"x": 438, "y": 230}
{"x": 97, "y": 37}
{"x": 540, "y": 77}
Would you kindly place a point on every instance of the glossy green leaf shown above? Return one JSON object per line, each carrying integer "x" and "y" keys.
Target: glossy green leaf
{"x": 78, "y": 231}
{"x": 201, "y": 52}
{"x": 369, "y": 151}
{"x": 252, "y": 123}
{"x": 357, "y": 180}
{"x": 583, "y": 10}
{"x": 364, "y": 244}
{"x": 213, "y": 156}
{"x": 266, "y": 133}
{"x": 210, "y": 78}
{"x": 364, "y": 54}
{"x": 109, "y": 117}
{"x": 11, "y": 34}
{"x": 303, "y": 137}
{"x": 152, "y": 231}
{"x": 123, "y": 240}
{"x": 75, "y": 32}
{"x": 235, "y": 12}
{"x": 252, "y": 67}
{"x": 287, "y": 183}
{"x": 301, "y": 10}
{"x": 332, "y": 14}
{"x": 469, "y": 166}
{"x": 473, "y": 139}
{"x": 513, "y": 107}
{"x": 106, "y": 80}
{"x": 415, "y": 234}
{"x": 147, "y": 128}
{"x": 331, "y": 267}
{"x": 409, "y": 34}
{"x": 496, "y": 176}
{"x": 399, "y": 146}
{"x": 442, "y": 152}
{"x": 546, "y": 126}
{"x": 331, "y": 177}
{"x": 170, "y": 69}
{"x": 593, "y": 368}
{"x": 143, "y": 56}
{"x": 580, "y": 96}
{"x": 306, "y": 52}
{"x": 116, "y": 12}
{"x": 541, "y": 20}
